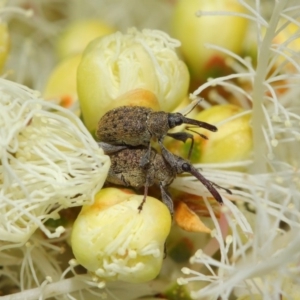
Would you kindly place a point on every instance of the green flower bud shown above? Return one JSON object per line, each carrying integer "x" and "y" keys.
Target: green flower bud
{"x": 232, "y": 142}
{"x": 4, "y": 43}
{"x": 61, "y": 86}
{"x": 194, "y": 31}
{"x": 77, "y": 36}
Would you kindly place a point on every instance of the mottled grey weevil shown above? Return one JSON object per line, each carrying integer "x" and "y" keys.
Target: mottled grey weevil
{"x": 126, "y": 170}
{"x": 137, "y": 125}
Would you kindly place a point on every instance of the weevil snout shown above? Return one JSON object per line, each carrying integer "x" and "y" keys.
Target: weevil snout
{"x": 209, "y": 184}
{"x": 176, "y": 119}
{"x": 182, "y": 166}
{"x": 197, "y": 123}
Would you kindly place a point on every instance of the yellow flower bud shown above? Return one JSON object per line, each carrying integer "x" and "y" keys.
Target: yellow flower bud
{"x": 118, "y": 63}
{"x": 232, "y": 141}
{"x": 61, "y": 86}
{"x": 77, "y": 35}
{"x": 138, "y": 97}
{"x": 195, "y": 31}
{"x": 4, "y": 43}
{"x": 115, "y": 241}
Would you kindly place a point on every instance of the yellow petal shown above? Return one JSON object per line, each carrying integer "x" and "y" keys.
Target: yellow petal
{"x": 188, "y": 220}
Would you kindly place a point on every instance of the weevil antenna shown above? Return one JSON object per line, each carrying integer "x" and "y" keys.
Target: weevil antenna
{"x": 200, "y": 134}
{"x": 185, "y": 111}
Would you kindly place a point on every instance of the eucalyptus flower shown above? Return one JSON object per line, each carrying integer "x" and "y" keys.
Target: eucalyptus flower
{"x": 270, "y": 189}
{"x": 76, "y": 36}
{"x": 119, "y": 63}
{"x": 49, "y": 161}
{"x": 251, "y": 250}
{"x": 115, "y": 241}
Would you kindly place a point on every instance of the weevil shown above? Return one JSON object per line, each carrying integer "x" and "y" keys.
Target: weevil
{"x": 137, "y": 125}
{"x": 126, "y": 170}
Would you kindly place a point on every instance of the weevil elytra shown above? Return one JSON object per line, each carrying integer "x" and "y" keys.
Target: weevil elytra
{"x": 137, "y": 125}
{"x": 126, "y": 170}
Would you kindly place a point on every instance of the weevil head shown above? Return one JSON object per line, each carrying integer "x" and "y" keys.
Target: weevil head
{"x": 174, "y": 162}
{"x": 182, "y": 165}
{"x": 186, "y": 167}
{"x": 175, "y": 119}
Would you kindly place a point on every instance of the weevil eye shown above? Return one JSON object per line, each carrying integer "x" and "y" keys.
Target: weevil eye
{"x": 175, "y": 120}
{"x": 186, "y": 167}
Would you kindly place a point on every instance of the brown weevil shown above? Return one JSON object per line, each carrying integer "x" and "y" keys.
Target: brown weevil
{"x": 126, "y": 170}
{"x": 137, "y": 125}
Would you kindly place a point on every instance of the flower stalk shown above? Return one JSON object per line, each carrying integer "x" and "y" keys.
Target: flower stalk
{"x": 259, "y": 88}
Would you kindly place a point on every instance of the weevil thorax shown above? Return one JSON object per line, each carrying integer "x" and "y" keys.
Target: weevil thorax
{"x": 158, "y": 123}
{"x": 176, "y": 163}
{"x": 181, "y": 165}
{"x": 125, "y": 125}
{"x": 162, "y": 171}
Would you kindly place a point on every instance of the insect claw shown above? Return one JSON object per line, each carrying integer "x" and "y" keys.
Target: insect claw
{"x": 166, "y": 199}
{"x": 220, "y": 187}
{"x": 140, "y": 207}
{"x": 191, "y": 149}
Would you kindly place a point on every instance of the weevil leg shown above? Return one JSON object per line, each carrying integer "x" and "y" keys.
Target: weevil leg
{"x": 180, "y": 136}
{"x": 183, "y": 136}
{"x": 124, "y": 182}
{"x": 200, "y": 134}
{"x": 146, "y": 157}
{"x": 140, "y": 207}
{"x": 167, "y": 155}
{"x": 116, "y": 178}
{"x": 108, "y": 148}
{"x": 166, "y": 198}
